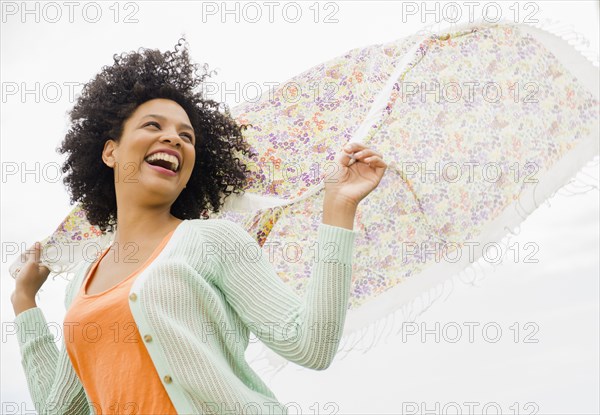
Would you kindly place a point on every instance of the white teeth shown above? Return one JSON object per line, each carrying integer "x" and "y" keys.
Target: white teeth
{"x": 167, "y": 157}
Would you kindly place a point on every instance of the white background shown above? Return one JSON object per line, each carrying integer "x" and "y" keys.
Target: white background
{"x": 559, "y": 294}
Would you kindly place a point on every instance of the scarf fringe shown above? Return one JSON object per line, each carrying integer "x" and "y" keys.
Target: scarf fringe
{"x": 479, "y": 270}
{"x": 577, "y": 40}
{"x": 370, "y": 336}
{"x": 560, "y": 29}
{"x": 581, "y": 183}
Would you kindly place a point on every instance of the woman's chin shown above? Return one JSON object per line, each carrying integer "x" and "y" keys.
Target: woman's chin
{"x": 160, "y": 185}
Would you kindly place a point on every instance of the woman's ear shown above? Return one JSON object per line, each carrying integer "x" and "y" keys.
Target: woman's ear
{"x": 108, "y": 153}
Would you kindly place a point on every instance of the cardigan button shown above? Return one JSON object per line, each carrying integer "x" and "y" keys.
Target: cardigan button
{"x": 148, "y": 338}
{"x": 168, "y": 379}
{"x": 133, "y": 297}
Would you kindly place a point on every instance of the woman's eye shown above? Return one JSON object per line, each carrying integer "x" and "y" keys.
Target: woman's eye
{"x": 157, "y": 125}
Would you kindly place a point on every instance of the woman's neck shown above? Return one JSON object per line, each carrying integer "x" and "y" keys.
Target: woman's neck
{"x": 141, "y": 227}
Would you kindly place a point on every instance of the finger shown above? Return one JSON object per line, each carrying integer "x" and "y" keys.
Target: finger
{"x": 361, "y": 148}
{"x": 29, "y": 253}
{"x": 362, "y": 154}
{"x": 33, "y": 253}
{"x": 375, "y": 161}
{"x": 44, "y": 270}
{"x": 37, "y": 252}
{"x": 347, "y": 159}
{"x": 354, "y": 147}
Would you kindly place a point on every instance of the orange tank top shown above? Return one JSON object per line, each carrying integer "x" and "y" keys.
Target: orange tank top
{"x": 107, "y": 351}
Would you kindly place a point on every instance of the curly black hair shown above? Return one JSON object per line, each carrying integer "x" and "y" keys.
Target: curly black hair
{"x": 108, "y": 100}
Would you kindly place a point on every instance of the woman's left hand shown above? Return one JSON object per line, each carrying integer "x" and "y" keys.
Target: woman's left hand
{"x": 352, "y": 183}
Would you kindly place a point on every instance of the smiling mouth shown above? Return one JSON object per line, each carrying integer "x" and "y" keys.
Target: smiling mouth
{"x": 164, "y": 160}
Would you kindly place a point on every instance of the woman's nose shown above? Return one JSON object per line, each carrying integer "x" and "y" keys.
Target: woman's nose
{"x": 171, "y": 137}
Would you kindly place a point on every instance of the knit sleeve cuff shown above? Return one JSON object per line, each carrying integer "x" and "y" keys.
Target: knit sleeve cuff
{"x": 31, "y": 324}
{"x": 335, "y": 244}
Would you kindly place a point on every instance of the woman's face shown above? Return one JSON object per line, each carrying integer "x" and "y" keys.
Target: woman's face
{"x": 159, "y": 128}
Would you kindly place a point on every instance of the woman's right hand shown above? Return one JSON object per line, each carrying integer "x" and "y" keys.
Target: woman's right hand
{"x": 32, "y": 275}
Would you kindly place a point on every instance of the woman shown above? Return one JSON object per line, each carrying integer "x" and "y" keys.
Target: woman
{"x": 159, "y": 321}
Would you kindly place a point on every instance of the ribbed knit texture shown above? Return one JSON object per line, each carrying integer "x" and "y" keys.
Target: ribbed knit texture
{"x": 208, "y": 288}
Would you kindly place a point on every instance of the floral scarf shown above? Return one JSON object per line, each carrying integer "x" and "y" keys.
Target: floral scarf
{"x": 478, "y": 125}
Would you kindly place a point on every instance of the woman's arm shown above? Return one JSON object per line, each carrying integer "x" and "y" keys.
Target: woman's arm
{"x": 53, "y": 384}
{"x": 21, "y": 302}
{"x": 306, "y": 331}
{"x": 337, "y": 212}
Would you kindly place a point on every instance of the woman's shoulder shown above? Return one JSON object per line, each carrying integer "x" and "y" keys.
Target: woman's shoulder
{"x": 216, "y": 228}
{"x": 211, "y": 223}
{"x": 222, "y": 231}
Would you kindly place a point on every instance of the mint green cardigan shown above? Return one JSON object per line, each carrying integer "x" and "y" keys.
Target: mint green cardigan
{"x": 210, "y": 285}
